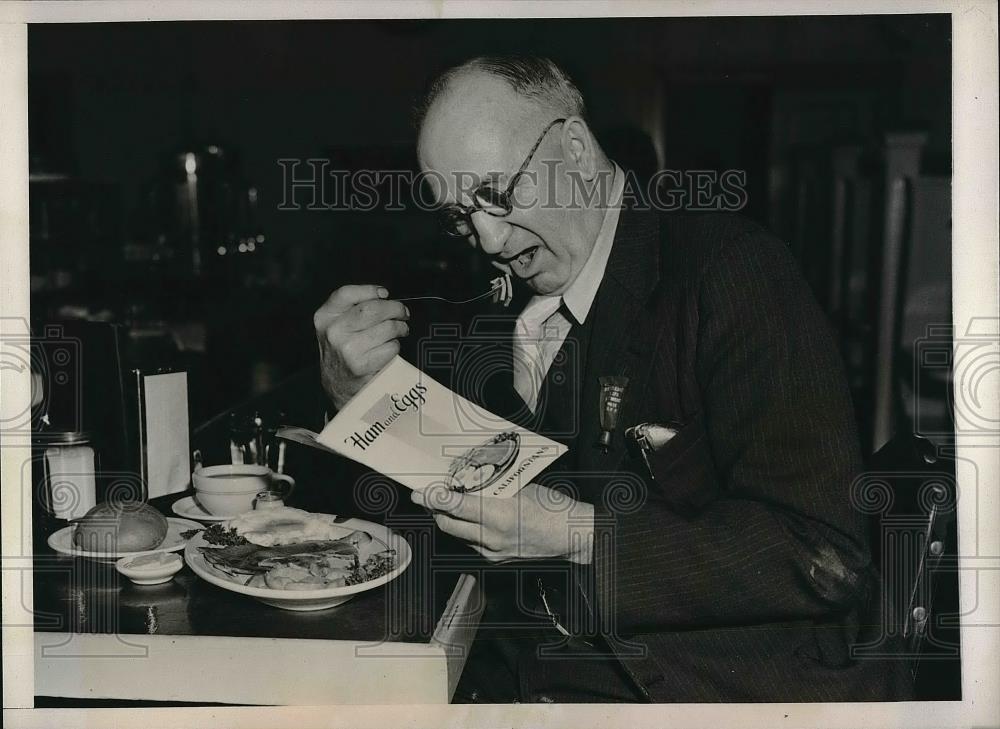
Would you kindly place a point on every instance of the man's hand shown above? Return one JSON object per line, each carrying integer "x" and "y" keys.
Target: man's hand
{"x": 358, "y": 331}
{"x": 537, "y": 523}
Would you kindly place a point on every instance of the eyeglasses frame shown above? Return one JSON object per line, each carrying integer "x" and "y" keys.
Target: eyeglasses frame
{"x": 503, "y": 199}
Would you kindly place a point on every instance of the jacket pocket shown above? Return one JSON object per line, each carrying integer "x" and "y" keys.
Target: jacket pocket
{"x": 682, "y": 472}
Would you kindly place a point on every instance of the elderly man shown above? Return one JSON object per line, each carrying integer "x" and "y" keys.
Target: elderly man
{"x": 722, "y": 562}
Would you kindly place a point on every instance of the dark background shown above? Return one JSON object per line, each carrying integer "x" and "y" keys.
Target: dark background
{"x": 115, "y": 107}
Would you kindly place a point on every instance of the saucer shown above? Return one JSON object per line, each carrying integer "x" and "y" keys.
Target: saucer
{"x": 191, "y": 509}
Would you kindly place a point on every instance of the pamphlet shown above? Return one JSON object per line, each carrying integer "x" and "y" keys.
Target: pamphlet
{"x": 413, "y": 429}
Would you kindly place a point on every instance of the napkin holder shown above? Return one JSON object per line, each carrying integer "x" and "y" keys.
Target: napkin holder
{"x": 159, "y": 420}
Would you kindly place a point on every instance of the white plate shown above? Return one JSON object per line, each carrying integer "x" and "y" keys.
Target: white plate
{"x": 304, "y": 599}
{"x": 191, "y": 509}
{"x": 62, "y": 542}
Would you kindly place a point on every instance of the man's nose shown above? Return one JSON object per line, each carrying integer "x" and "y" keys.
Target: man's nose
{"x": 491, "y": 230}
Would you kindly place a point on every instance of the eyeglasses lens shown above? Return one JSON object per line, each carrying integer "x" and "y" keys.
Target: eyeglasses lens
{"x": 493, "y": 202}
{"x": 455, "y": 222}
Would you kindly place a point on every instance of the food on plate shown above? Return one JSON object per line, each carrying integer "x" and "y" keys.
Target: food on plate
{"x": 284, "y": 525}
{"x": 299, "y": 577}
{"x": 217, "y": 534}
{"x": 150, "y": 569}
{"x": 120, "y": 526}
{"x": 154, "y": 561}
{"x": 479, "y": 467}
{"x": 291, "y": 549}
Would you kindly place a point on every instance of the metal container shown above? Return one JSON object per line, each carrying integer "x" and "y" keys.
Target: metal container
{"x": 70, "y": 466}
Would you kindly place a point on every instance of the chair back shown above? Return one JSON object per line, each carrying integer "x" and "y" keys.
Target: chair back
{"x": 910, "y": 492}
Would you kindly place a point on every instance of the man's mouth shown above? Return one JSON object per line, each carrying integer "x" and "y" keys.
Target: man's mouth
{"x": 522, "y": 260}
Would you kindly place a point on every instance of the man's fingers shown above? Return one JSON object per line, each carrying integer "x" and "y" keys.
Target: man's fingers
{"x": 472, "y": 507}
{"x": 376, "y": 346}
{"x": 381, "y": 333}
{"x": 351, "y": 294}
{"x": 461, "y": 516}
{"x": 466, "y": 507}
{"x": 474, "y": 534}
{"x": 492, "y": 555}
{"x": 438, "y": 498}
{"x": 381, "y": 356}
{"x": 372, "y": 312}
{"x": 343, "y": 299}
{"x": 365, "y": 353}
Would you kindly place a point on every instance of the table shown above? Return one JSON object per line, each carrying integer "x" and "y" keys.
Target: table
{"x": 98, "y": 636}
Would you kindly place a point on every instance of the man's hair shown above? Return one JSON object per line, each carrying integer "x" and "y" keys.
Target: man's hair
{"x": 535, "y": 78}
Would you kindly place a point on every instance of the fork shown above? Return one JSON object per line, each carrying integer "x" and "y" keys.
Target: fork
{"x": 501, "y": 291}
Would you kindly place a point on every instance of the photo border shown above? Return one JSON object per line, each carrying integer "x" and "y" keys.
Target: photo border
{"x": 975, "y": 266}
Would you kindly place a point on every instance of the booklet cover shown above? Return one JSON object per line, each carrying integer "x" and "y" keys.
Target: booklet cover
{"x": 413, "y": 429}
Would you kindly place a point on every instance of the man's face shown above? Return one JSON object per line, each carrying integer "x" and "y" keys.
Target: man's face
{"x": 480, "y": 130}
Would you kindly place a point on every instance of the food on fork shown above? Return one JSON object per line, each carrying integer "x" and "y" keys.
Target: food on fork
{"x": 502, "y": 289}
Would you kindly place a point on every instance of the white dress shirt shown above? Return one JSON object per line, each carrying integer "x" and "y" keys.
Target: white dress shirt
{"x": 543, "y": 327}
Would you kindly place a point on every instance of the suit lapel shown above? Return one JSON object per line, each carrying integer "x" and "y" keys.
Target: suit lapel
{"x": 624, "y": 339}
{"x": 623, "y": 336}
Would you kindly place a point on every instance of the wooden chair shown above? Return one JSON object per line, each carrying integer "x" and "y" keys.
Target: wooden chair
{"x": 910, "y": 494}
{"x": 888, "y": 278}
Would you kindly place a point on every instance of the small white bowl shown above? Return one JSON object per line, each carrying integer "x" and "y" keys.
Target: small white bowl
{"x": 153, "y": 574}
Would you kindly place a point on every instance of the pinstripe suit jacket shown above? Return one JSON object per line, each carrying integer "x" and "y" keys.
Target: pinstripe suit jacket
{"x": 733, "y": 567}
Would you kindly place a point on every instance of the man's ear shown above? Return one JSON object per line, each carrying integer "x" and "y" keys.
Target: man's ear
{"x": 579, "y": 146}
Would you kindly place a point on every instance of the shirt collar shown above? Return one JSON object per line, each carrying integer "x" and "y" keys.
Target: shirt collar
{"x": 579, "y": 297}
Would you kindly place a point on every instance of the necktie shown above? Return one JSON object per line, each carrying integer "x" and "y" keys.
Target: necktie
{"x": 539, "y": 334}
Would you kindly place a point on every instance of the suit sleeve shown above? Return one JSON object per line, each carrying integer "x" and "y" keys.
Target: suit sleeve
{"x": 775, "y": 443}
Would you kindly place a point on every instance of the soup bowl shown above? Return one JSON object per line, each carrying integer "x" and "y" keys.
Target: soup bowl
{"x": 230, "y": 489}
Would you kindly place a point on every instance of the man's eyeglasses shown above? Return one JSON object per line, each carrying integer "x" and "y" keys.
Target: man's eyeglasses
{"x": 456, "y": 219}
